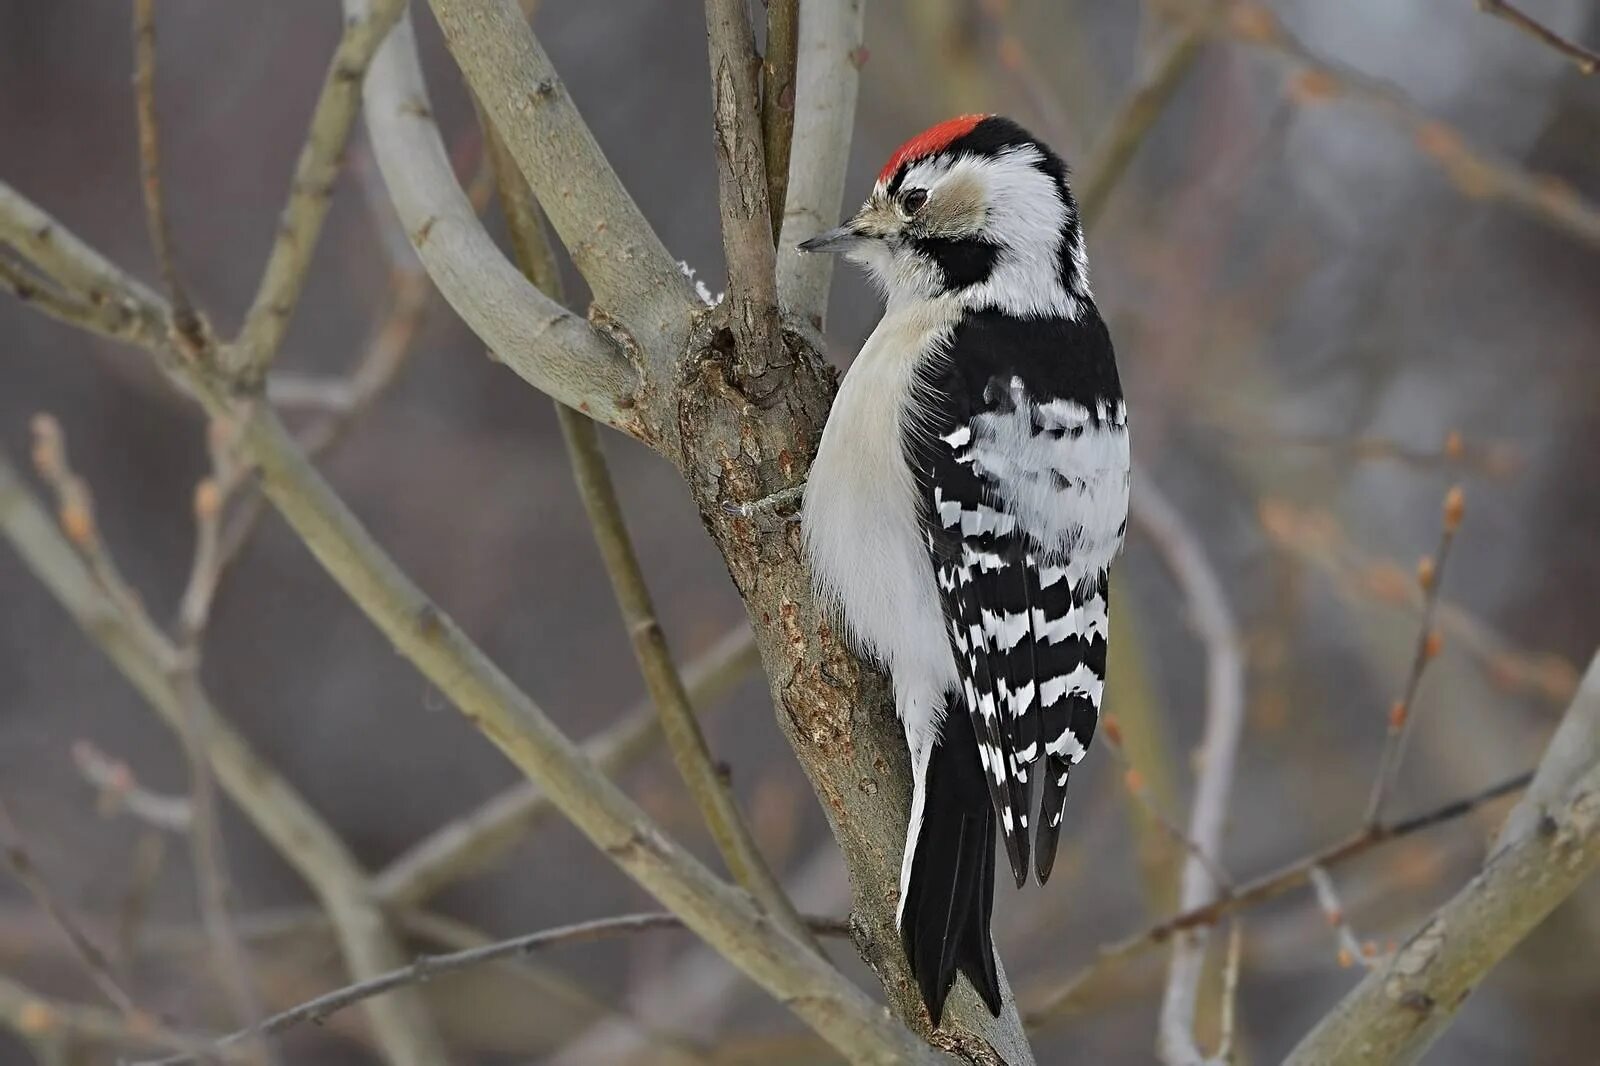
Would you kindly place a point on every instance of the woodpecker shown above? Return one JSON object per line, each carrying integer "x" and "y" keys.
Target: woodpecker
{"x": 968, "y": 497}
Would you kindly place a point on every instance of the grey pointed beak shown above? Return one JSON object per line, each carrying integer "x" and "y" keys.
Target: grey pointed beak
{"x": 839, "y": 239}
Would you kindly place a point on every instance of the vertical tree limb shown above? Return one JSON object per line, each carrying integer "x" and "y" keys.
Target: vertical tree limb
{"x": 1211, "y": 615}
{"x": 777, "y": 102}
{"x": 827, "y": 74}
{"x": 742, "y": 184}
{"x": 311, "y": 190}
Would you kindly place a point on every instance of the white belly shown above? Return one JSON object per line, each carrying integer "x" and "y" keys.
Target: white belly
{"x": 861, "y": 521}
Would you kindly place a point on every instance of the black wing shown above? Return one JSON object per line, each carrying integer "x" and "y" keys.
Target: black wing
{"x": 1020, "y": 454}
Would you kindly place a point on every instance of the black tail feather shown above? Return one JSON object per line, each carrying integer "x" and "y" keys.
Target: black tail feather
{"x": 944, "y": 919}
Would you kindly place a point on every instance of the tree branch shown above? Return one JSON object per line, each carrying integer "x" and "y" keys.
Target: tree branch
{"x": 1213, "y": 618}
{"x": 709, "y": 788}
{"x": 1059, "y": 1002}
{"x": 427, "y": 967}
{"x": 142, "y": 653}
{"x": 636, "y": 283}
{"x": 185, "y": 323}
{"x": 1135, "y": 115}
{"x": 468, "y": 844}
{"x": 1477, "y": 173}
{"x": 1402, "y": 716}
{"x": 827, "y": 74}
{"x": 1586, "y": 60}
{"x": 310, "y": 190}
{"x": 1397, "y": 1012}
{"x": 742, "y": 184}
{"x": 546, "y": 345}
{"x": 777, "y": 102}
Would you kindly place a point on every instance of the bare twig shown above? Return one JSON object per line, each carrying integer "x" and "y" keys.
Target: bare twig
{"x": 107, "y": 321}
{"x": 551, "y": 348}
{"x": 1291, "y": 875}
{"x": 38, "y": 1017}
{"x": 827, "y": 74}
{"x": 428, "y": 967}
{"x": 311, "y": 190}
{"x": 1493, "y": 459}
{"x": 1134, "y": 117}
{"x": 1430, "y": 575}
{"x": 19, "y": 860}
{"x": 120, "y": 790}
{"x": 144, "y": 655}
{"x": 1586, "y": 60}
{"x": 1358, "y": 577}
{"x": 470, "y": 843}
{"x": 777, "y": 101}
{"x": 185, "y": 322}
{"x": 1351, "y": 950}
{"x": 1212, "y": 617}
{"x": 1396, "y": 1013}
{"x": 1230, "y": 992}
{"x": 742, "y": 184}
{"x": 124, "y": 308}
{"x": 1134, "y": 780}
{"x": 1477, "y": 173}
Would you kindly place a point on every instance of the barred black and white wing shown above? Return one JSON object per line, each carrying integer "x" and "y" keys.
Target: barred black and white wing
{"x": 1020, "y": 451}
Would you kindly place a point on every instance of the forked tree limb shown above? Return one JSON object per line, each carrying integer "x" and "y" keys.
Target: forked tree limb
{"x": 283, "y": 817}
{"x": 545, "y": 344}
{"x": 1403, "y": 1005}
{"x": 311, "y": 190}
{"x": 828, "y": 73}
{"x": 742, "y": 184}
{"x": 636, "y": 283}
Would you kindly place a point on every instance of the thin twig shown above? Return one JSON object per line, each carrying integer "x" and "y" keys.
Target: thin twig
{"x": 120, "y": 790}
{"x": 311, "y": 190}
{"x": 19, "y": 860}
{"x": 144, "y": 654}
{"x": 1230, "y": 992}
{"x": 1586, "y": 60}
{"x": 40, "y": 1017}
{"x": 1291, "y": 875}
{"x": 1400, "y": 1008}
{"x": 1475, "y": 172}
{"x": 1360, "y": 578}
{"x": 1134, "y": 118}
{"x": 1351, "y": 950}
{"x": 1136, "y": 786}
{"x": 1213, "y": 618}
{"x": 1402, "y": 715}
{"x": 777, "y": 102}
{"x": 466, "y": 845}
{"x": 427, "y": 967}
{"x": 107, "y": 321}
{"x": 186, "y": 325}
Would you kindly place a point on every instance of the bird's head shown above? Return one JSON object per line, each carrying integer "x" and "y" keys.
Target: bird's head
{"x": 975, "y": 209}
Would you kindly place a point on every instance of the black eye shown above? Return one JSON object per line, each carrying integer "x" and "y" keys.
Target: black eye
{"x": 914, "y": 199}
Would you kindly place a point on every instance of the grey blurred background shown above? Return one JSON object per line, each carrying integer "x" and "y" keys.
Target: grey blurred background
{"x": 1305, "y": 307}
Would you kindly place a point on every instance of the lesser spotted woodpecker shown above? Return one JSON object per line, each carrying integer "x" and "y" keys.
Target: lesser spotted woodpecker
{"x": 966, "y": 503}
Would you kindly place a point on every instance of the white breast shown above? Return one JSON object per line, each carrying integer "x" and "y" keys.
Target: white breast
{"x": 862, "y": 530}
